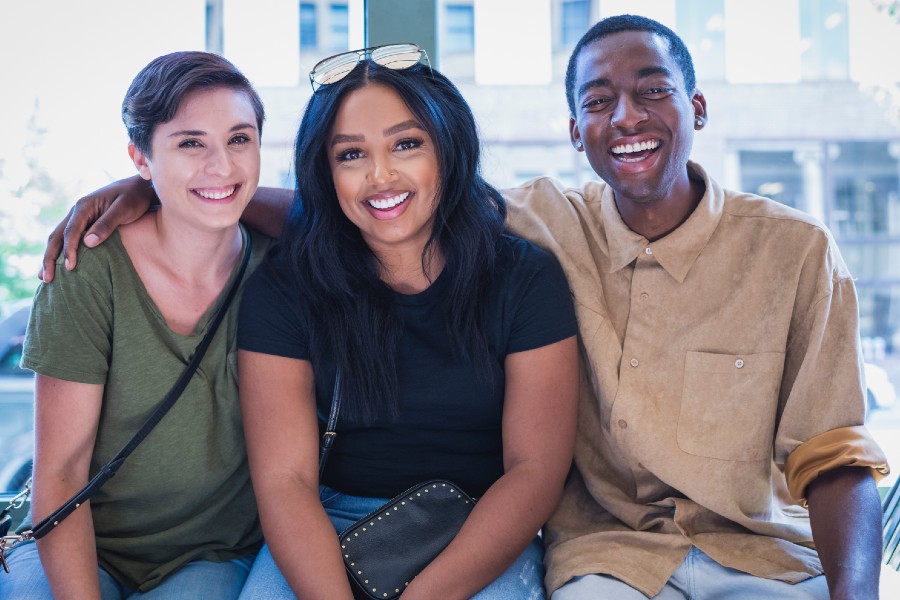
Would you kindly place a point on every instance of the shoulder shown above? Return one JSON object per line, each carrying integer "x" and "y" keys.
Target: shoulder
{"x": 546, "y": 192}
{"x": 99, "y": 268}
{"x": 744, "y": 204}
{"x": 545, "y": 210}
{"x": 261, "y": 243}
{"x": 522, "y": 266}
{"x": 518, "y": 253}
{"x": 800, "y": 235}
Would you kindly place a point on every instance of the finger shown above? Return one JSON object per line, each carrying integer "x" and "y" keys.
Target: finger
{"x": 51, "y": 252}
{"x": 75, "y": 224}
{"x": 99, "y": 232}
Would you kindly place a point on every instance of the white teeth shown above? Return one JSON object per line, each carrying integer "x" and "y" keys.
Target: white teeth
{"x": 216, "y": 195}
{"x": 387, "y": 203}
{"x": 639, "y": 147}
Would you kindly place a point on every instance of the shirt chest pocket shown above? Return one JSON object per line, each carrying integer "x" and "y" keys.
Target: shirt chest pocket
{"x": 728, "y": 405}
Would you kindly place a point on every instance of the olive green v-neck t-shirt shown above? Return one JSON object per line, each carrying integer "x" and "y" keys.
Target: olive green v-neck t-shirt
{"x": 185, "y": 493}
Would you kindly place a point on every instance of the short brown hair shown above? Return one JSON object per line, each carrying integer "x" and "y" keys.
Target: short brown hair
{"x": 158, "y": 90}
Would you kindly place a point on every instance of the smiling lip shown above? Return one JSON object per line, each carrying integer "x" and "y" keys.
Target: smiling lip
{"x": 217, "y": 194}
{"x": 635, "y": 151}
{"x": 387, "y": 202}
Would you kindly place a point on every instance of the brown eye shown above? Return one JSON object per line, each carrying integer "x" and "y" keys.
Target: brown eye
{"x": 409, "y": 144}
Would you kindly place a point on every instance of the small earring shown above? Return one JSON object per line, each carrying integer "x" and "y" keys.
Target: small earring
{"x": 699, "y": 122}
{"x": 579, "y": 145}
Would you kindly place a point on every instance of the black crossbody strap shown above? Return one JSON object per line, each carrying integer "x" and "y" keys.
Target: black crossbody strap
{"x": 331, "y": 427}
{"x": 109, "y": 469}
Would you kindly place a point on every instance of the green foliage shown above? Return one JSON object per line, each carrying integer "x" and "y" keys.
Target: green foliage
{"x": 32, "y": 202}
{"x": 890, "y": 7}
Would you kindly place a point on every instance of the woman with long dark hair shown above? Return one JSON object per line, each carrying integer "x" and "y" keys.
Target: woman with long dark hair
{"x": 455, "y": 342}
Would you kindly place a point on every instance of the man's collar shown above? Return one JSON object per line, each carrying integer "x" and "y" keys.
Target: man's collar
{"x": 677, "y": 251}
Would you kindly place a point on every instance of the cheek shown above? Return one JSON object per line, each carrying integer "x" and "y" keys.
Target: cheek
{"x": 341, "y": 185}
{"x": 346, "y": 191}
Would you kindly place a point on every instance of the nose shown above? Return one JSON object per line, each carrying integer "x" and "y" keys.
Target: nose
{"x": 382, "y": 171}
{"x": 218, "y": 161}
{"x": 627, "y": 113}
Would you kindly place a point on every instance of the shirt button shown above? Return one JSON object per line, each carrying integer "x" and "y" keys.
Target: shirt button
{"x": 623, "y": 424}
{"x": 634, "y": 362}
{"x": 739, "y": 363}
{"x": 644, "y": 296}
{"x": 648, "y": 250}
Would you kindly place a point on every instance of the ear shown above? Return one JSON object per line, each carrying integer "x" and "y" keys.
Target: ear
{"x": 141, "y": 161}
{"x": 698, "y": 101}
{"x": 575, "y": 135}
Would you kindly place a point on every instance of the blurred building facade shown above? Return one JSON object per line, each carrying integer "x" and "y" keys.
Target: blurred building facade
{"x": 799, "y": 94}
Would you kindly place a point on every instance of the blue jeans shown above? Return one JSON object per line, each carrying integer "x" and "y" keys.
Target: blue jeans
{"x": 195, "y": 580}
{"x": 698, "y": 578}
{"x": 523, "y": 580}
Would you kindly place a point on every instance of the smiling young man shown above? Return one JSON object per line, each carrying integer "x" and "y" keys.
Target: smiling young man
{"x": 720, "y": 342}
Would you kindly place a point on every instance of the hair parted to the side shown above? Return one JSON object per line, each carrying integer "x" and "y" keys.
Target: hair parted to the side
{"x": 619, "y": 23}
{"x": 353, "y": 318}
{"x": 159, "y": 89}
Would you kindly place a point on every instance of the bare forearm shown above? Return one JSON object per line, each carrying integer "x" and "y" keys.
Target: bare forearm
{"x": 68, "y": 553}
{"x": 66, "y": 417}
{"x": 845, "y": 514}
{"x": 302, "y": 541}
{"x": 504, "y": 522}
{"x": 268, "y": 210}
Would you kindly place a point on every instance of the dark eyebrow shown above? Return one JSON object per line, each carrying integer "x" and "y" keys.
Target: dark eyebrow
{"x": 593, "y": 83}
{"x": 343, "y": 139}
{"x": 641, "y": 74}
{"x": 649, "y": 71}
{"x": 411, "y": 124}
{"x": 199, "y": 132}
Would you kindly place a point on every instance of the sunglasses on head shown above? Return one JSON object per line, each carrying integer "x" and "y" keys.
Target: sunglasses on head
{"x": 393, "y": 56}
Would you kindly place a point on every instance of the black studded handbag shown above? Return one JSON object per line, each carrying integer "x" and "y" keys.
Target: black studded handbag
{"x": 387, "y": 548}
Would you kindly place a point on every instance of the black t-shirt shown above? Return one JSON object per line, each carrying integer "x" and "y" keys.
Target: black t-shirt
{"x": 450, "y": 419}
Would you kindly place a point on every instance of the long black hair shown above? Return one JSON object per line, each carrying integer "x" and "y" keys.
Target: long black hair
{"x": 353, "y": 318}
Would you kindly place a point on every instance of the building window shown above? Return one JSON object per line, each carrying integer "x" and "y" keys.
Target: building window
{"x": 702, "y": 27}
{"x": 576, "y": 18}
{"x": 824, "y": 40}
{"x": 857, "y": 183}
{"x": 309, "y": 38}
{"x": 866, "y": 180}
{"x": 214, "y": 27}
{"x": 773, "y": 174}
{"x": 459, "y": 28}
{"x": 338, "y": 28}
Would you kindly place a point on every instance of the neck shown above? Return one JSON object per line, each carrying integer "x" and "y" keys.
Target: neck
{"x": 407, "y": 274}
{"x": 196, "y": 255}
{"x": 655, "y": 219}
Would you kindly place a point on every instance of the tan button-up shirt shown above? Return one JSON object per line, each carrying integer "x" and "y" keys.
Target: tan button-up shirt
{"x": 721, "y": 374}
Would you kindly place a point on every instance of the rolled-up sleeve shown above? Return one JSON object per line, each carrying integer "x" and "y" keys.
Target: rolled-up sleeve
{"x": 844, "y": 447}
{"x": 823, "y": 398}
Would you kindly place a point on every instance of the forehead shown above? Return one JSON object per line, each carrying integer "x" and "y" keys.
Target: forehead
{"x": 210, "y": 109}
{"x": 219, "y": 99}
{"x": 373, "y": 105}
{"x": 624, "y": 55}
